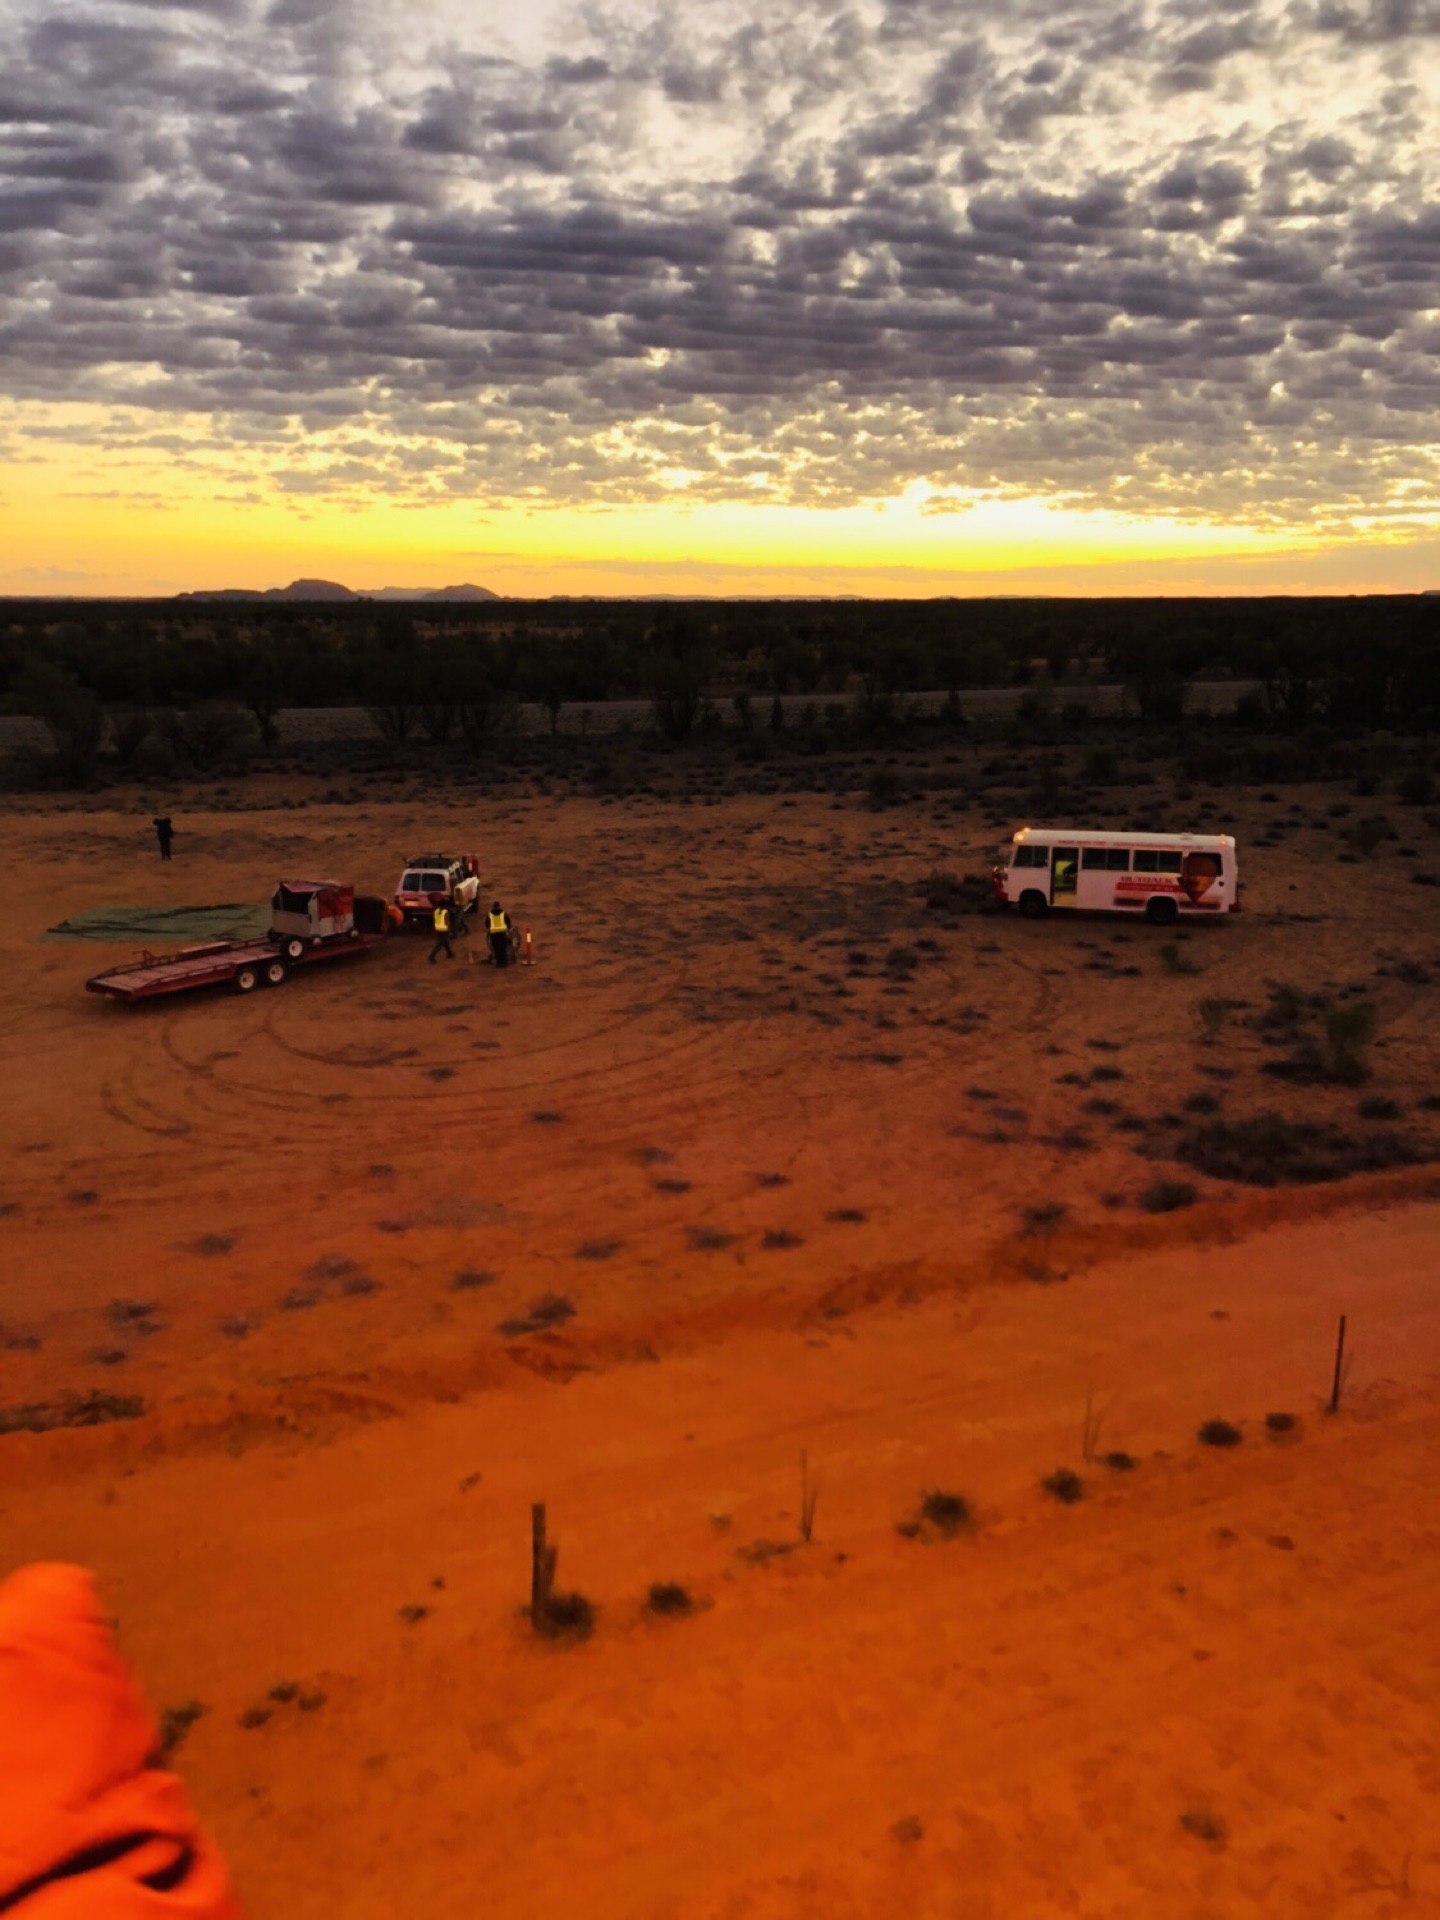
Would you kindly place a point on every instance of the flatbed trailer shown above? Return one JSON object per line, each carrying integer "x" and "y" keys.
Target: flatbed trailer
{"x": 241, "y": 964}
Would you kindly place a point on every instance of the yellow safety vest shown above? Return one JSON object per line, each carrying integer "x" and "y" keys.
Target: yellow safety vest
{"x": 442, "y": 919}
{"x": 497, "y": 922}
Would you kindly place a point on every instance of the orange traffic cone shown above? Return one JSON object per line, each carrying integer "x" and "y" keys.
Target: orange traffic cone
{"x": 527, "y": 949}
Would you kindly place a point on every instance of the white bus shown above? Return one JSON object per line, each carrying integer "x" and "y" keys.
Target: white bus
{"x": 1162, "y": 875}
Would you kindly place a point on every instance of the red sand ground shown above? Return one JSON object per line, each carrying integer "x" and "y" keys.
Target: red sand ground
{"x": 1010, "y": 1723}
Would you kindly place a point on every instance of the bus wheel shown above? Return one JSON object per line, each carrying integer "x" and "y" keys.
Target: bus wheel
{"x": 275, "y": 973}
{"x": 247, "y": 979}
{"x": 1161, "y": 912}
{"x": 1033, "y": 903}
{"x": 293, "y": 948}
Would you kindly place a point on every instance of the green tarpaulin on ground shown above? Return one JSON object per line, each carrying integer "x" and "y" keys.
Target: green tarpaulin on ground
{"x": 164, "y": 926}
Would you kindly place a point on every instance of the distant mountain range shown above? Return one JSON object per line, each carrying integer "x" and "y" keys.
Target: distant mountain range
{"x": 332, "y": 590}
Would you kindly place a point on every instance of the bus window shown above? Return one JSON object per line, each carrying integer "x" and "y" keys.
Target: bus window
{"x": 1156, "y": 860}
{"x": 1105, "y": 859}
{"x": 1031, "y": 857}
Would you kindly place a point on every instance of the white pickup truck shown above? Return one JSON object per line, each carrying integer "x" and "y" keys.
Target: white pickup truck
{"x": 432, "y": 877}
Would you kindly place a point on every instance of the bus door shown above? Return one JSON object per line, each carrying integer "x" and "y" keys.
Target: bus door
{"x": 1064, "y": 866}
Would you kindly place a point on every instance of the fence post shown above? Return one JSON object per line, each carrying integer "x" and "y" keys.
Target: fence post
{"x": 1334, "y": 1406}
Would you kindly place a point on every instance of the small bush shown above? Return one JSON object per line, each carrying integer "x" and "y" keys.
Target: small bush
{"x": 1288, "y": 1004}
{"x": 1172, "y": 960}
{"x": 550, "y": 1310}
{"x": 666, "y": 1597}
{"x": 1065, "y": 1486}
{"x": 175, "y": 1724}
{"x": 567, "y": 1616}
{"x": 1205, "y": 1826}
{"x": 1166, "y": 1196}
{"x": 1281, "y": 1422}
{"x": 1044, "y": 1217}
{"x": 1348, "y": 1031}
{"x": 1119, "y": 1461}
{"x": 1376, "y": 1106}
{"x": 1219, "y": 1433}
{"x": 947, "y": 1513}
{"x": 709, "y": 1239}
{"x": 1417, "y": 787}
{"x": 1212, "y": 1013}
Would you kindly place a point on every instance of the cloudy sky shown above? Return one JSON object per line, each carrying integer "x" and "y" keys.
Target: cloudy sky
{"x": 853, "y": 295}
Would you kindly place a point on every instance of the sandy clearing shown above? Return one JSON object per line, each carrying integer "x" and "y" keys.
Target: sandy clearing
{"x": 289, "y": 1187}
{"x": 1046, "y": 1698}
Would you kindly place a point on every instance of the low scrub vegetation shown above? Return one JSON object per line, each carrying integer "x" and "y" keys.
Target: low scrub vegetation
{"x": 1064, "y": 1485}
{"x": 1166, "y": 1196}
{"x": 1269, "y": 1150}
{"x": 940, "y": 1515}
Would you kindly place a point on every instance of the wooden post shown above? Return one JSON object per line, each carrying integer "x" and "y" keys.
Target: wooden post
{"x": 542, "y": 1569}
{"x": 1334, "y": 1406}
{"x": 809, "y": 1492}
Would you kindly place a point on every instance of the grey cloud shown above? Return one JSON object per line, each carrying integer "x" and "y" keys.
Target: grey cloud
{"x": 718, "y": 236}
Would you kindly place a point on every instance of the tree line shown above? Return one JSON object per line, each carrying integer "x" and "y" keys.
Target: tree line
{"x": 118, "y": 672}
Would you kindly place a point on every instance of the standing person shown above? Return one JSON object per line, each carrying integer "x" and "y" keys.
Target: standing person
{"x": 497, "y": 923}
{"x": 457, "y": 914}
{"x": 440, "y": 920}
{"x": 164, "y": 833}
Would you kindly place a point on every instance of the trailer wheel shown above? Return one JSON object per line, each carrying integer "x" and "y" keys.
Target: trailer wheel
{"x": 1161, "y": 911}
{"x": 275, "y": 971}
{"x": 246, "y": 979}
{"x": 292, "y": 948}
{"x": 1033, "y": 903}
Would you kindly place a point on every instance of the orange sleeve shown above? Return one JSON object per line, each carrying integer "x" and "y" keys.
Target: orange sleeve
{"x": 89, "y": 1827}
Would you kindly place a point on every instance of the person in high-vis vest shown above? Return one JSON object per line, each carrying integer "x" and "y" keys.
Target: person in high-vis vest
{"x": 440, "y": 920}
{"x": 497, "y": 927}
{"x": 93, "y": 1825}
